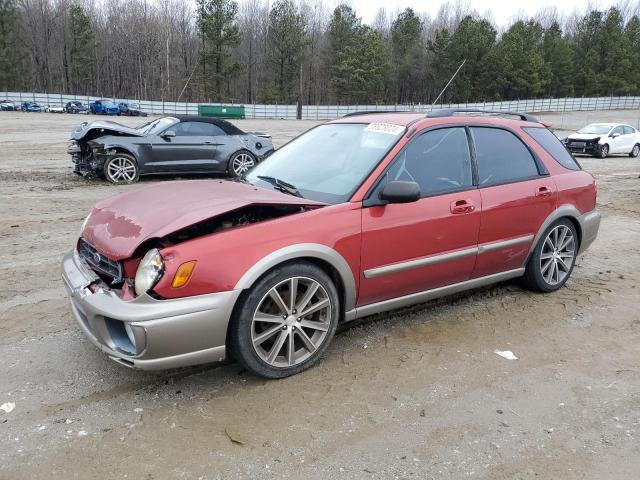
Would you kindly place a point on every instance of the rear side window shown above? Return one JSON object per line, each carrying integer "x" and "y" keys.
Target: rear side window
{"x": 627, "y": 130}
{"x": 502, "y": 157}
{"x": 197, "y": 129}
{"x": 553, "y": 147}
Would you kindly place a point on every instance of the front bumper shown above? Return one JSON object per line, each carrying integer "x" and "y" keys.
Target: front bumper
{"x": 168, "y": 333}
{"x": 585, "y": 147}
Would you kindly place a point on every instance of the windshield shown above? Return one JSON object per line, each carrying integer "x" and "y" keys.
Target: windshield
{"x": 156, "y": 126}
{"x": 595, "y": 128}
{"x": 330, "y": 162}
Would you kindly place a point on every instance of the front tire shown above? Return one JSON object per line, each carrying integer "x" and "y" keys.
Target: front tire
{"x": 286, "y": 321}
{"x": 635, "y": 152}
{"x": 553, "y": 258}
{"x": 121, "y": 168}
{"x": 603, "y": 152}
{"x": 240, "y": 163}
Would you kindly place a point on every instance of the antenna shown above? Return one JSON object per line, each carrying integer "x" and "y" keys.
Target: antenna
{"x": 449, "y": 82}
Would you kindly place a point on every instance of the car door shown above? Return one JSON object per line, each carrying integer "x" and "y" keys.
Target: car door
{"x": 419, "y": 246}
{"x": 184, "y": 147}
{"x": 616, "y": 140}
{"x": 629, "y": 134}
{"x": 517, "y": 197}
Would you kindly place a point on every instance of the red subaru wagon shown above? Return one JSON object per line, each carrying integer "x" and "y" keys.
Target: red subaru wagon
{"x": 360, "y": 215}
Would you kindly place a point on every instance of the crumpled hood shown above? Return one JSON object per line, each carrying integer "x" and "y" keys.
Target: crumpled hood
{"x": 585, "y": 136}
{"x": 119, "y": 224}
{"x": 108, "y": 127}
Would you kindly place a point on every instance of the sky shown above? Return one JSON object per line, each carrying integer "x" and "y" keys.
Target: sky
{"x": 502, "y": 11}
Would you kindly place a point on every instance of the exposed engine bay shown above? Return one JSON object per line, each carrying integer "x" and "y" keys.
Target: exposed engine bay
{"x": 237, "y": 218}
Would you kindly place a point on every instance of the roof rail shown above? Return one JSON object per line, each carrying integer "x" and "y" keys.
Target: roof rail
{"x": 369, "y": 112}
{"x": 452, "y": 111}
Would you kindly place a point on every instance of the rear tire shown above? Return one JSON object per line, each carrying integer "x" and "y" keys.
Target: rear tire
{"x": 240, "y": 163}
{"x": 275, "y": 334}
{"x": 553, "y": 258}
{"x": 635, "y": 152}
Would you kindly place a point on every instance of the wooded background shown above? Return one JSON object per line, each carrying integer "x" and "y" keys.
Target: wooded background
{"x": 255, "y": 52}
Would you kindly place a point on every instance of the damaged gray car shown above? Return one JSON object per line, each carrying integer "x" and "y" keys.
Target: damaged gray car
{"x": 174, "y": 145}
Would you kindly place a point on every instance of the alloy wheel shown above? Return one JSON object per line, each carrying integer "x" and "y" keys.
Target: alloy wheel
{"x": 121, "y": 169}
{"x": 558, "y": 254}
{"x": 291, "y": 322}
{"x": 636, "y": 150}
{"x": 242, "y": 163}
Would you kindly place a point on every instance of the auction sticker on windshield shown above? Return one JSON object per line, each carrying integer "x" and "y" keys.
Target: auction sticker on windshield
{"x": 388, "y": 128}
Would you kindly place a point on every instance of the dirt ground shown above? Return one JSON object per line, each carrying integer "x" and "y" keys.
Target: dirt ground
{"x": 416, "y": 393}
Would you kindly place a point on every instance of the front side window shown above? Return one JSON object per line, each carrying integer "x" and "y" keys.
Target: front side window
{"x": 502, "y": 157}
{"x": 438, "y": 160}
{"x": 617, "y": 131}
{"x": 329, "y": 162}
{"x": 553, "y": 147}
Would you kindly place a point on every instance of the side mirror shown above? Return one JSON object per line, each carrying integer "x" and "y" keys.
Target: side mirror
{"x": 400, "y": 192}
{"x": 614, "y": 135}
{"x": 168, "y": 134}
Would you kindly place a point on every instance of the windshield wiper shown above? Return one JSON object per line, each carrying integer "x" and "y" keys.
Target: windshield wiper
{"x": 281, "y": 185}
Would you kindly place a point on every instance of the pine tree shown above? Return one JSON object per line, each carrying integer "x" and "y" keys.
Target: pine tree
{"x": 81, "y": 60}
{"x": 362, "y": 69}
{"x": 287, "y": 41}
{"x": 632, "y": 32}
{"x": 587, "y": 42}
{"x": 557, "y": 53}
{"x": 523, "y": 72}
{"x": 9, "y": 56}
{"x": 472, "y": 41}
{"x": 408, "y": 56}
{"x": 219, "y": 33}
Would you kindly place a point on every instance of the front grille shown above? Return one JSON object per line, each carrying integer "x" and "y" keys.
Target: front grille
{"x": 100, "y": 263}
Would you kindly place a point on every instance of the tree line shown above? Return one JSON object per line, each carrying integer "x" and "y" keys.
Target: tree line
{"x": 250, "y": 51}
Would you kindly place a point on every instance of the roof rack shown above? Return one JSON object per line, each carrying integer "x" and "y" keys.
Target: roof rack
{"x": 452, "y": 111}
{"x": 369, "y": 112}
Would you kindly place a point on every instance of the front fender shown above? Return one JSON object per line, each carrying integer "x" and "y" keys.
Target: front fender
{"x": 304, "y": 250}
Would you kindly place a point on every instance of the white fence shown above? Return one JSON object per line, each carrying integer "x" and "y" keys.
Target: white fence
{"x": 322, "y": 112}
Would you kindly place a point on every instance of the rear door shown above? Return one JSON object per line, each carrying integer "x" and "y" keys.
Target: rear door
{"x": 629, "y": 134}
{"x": 192, "y": 149}
{"x": 517, "y": 196}
{"x": 419, "y": 246}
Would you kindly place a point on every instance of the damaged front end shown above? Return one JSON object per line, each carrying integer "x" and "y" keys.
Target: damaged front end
{"x": 589, "y": 146}
{"x": 88, "y": 157}
{"x": 88, "y": 152}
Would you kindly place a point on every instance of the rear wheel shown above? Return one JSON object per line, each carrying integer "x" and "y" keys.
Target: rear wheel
{"x": 286, "y": 321}
{"x": 635, "y": 151}
{"x": 121, "y": 168}
{"x": 240, "y": 163}
{"x": 553, "y": 258}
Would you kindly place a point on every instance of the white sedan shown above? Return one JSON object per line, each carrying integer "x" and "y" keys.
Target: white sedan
{"x": 603, "y": 139}
{"x": 54, "y": 109}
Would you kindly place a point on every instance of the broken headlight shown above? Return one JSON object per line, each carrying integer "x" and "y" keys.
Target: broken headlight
{"x": 149, "y": 271}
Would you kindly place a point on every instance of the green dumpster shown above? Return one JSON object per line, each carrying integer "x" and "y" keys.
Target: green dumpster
{"x": 221, "y": 111}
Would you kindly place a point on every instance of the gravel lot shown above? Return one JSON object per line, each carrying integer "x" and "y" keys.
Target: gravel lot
{"x": 417, "y": 393}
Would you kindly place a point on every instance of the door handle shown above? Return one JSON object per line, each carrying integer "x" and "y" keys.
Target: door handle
{"x": 208, "y": 143}
{"x": 462, "y": 206}
{"x": 543, "y": 192}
